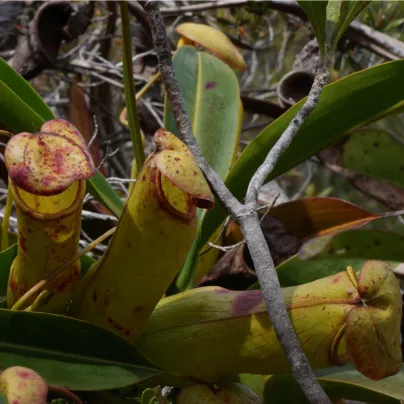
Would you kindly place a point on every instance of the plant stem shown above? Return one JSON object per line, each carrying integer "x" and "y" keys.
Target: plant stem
{"x": 6, "y": 218}
{"x": 139, "y": 95}
{"x": 130, "y": 93}
{"x": 146, "y": 87}
{"x": 245, "y": 215}
{"x": 284, "y": 141}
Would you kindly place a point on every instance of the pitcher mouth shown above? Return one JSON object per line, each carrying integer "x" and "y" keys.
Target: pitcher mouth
{"x": 50, "y": 207}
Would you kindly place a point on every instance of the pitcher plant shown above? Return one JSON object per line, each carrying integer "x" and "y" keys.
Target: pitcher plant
{"x": 47, "y": 172}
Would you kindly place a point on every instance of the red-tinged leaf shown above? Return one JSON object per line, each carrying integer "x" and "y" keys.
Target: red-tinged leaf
{"x": 312, "y": 217}
{"x": 80, "y": 117}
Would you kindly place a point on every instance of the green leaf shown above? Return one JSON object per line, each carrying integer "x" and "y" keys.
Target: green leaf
{"x": 316, "y": 12}
{"x": 332, "y": 18}
{"x": 15, "y": 114}
{"x": 366, "y": 244}
{"x": 129, "y": 86}
{"x": 147, "y": 396}
{"x": 24, "y": 90}
{"x": 19, "y": 117}
{"x": 339, "y": 15}
{"x": 86, "y": 262}
{"x": 359, "y": 98}
{"x": 69, "y": 352}
{"x": 355, "y": 386}
{"x": 101, "y": 190}
{"x": 295, "y": 271}
{"x": 339, "y": 382}
{"x": 374, "y": 153}
{"x": 212, "y": 98}
{"x": 348, "y": 12}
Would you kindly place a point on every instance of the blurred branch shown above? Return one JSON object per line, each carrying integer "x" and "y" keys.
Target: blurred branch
{"x": 137, "y": 11}
{"x": 373, "y": 40}
{"x": 245, "y": 215}
{"x": 360, "y": 34}
{"x": 257, "y": 106}
{"x": 208, "y": 5}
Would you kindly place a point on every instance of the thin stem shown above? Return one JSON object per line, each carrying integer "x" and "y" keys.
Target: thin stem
{"x": 6, "y": 218}
{"x": 261, "y": 257}
{"x": 139, "y": 95}
{"x": 130, "y": 93}
{"x": 245, "y": 215}
{"x": 272, "y": 293}
{"x": 287, "y": 136}
{"x": 147, "y": 86}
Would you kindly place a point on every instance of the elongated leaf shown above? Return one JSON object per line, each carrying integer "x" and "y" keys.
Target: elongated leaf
{"x": 24, "y": 90}
{"x": 70, "y": 353}
{"x": 311, "y": 217}
{"x": 212, "y": 98}
{"x": 348, "y": 12}
{"x": 295, "y": 271}
{"x": 332, "y": 18}
{"x": 86, "y": 262}
{"x": 374, "y": 153}
{"x": 15, "y": 114}
{"x": 342, "y": 382}
{"x": 366, "y": 244}
{"x": 101, "y": 190}
{"x": 316, "y": 12}
{"x": 359, "y": 98}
